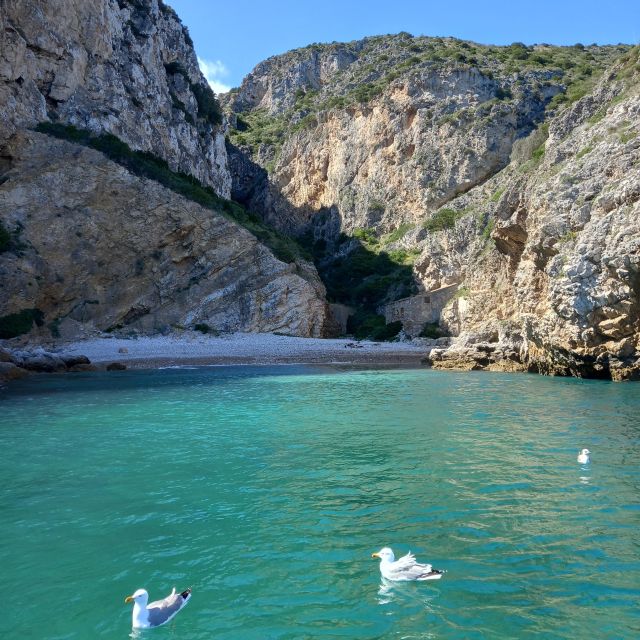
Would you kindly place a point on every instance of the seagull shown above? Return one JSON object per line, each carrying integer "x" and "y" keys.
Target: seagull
{"x": 583, "y": 456}
{"x": 157, "y": 613}
{"x": 405, "y": 568}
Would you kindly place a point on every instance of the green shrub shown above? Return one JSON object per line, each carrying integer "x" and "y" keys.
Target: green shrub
{"x": 403, "y": 256}
{"x": 497, "y": 194}
{"x": 175, "y": 67}
{"x": 310, "y": 121}
{"x": 364, "y": 325}
{"x": 398, "y": 233}
{"x": 208, "y": 107}
{"x": 584, "y": 151}
{"x": 363, "y": 278}
{"x": 187, "y": 36}
{"x": 486, "y": 231}
{"x": 367, "y": 236}
{"x": 503, "y": 94}
{"x": 17, "y": 324}
{"x": 538, "y": 153}
{"x": 334, "y": 101}
{"x": 431, "y": 330}
{"x": 388, "y": 332}
{"x": 203, "y": 327}
{"x": 375, "y": 206}
{"x": 5, "y": 239}
{"x": 258, "y": 127}
{"x": 442, "y": 220}
{"x": 569, "y": 236}
{"x": 367, "y": 91}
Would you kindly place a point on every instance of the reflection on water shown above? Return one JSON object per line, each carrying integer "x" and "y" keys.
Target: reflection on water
{"x": 390, "y": 591}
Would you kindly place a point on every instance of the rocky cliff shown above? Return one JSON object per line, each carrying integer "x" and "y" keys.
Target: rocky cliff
{"x": 134, "y": 234}
{"x": 121, "y": 66}
{"x": 384, "y": 131}
{"x": 97, "y": 248}
{"x": 556, "y": 283}
{"x": 511, "y": 171}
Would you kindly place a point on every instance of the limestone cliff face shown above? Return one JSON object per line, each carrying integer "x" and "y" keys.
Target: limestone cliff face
{"x": 120, "y": 66}
{"x": 96, "y": 248}
{"x": 470, "y": 161}
{"x": 383, "y": 131}
{"x": 551, "y": 268}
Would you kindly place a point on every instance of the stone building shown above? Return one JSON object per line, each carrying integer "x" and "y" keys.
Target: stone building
{"x": 414, "y": 312}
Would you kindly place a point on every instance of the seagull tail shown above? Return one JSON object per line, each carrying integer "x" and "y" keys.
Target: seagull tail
{"x": 186, "y": 594}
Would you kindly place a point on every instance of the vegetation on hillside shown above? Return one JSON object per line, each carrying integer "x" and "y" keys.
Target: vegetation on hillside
{"x": 381, "y": 60}
{"x": 147, "y": 165}
{"x": 366, "y": 274}
{"x": 208, "y": 106}
{"x": 17, "y": 324}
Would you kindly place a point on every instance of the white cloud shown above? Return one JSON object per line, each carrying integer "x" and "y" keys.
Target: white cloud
{"x": 214, "y": 71}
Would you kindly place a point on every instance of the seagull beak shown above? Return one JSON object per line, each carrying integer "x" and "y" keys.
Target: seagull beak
{"x": 128, "y": 599}
{"x": 375, "y": 555}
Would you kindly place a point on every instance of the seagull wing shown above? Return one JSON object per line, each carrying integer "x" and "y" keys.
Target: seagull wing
{"x": 161, "y": 611}
{"x": 407, "y": 568}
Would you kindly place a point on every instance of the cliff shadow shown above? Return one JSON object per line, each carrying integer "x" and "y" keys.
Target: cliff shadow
{"x": 356, "y": 269}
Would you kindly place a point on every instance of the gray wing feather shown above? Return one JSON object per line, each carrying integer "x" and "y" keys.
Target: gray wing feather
{"x": 162, "y": 611}
{"x": 406, "y": 568}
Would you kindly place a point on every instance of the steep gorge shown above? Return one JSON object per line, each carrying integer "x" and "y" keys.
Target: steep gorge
{"x": 512, "y": 172}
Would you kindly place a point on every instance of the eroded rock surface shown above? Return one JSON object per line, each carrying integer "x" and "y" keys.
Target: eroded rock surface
{"x": 558, "y": 270}
{"x": 98, "y": 248}
{"x": 119, "y": 66}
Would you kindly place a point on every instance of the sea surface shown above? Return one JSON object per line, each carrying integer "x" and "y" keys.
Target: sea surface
{"x": 266, "y": 489}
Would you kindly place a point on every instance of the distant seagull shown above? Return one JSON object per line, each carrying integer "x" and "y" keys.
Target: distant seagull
{"x": 406, "y": 568}
{"x": 583, "y": 456}
{"x": 157, "y": 613}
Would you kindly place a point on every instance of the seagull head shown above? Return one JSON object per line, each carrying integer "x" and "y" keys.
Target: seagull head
{"x": 140, "y": 597}
{"x": 385, "y": 554}
{"x": 585, "y": 452}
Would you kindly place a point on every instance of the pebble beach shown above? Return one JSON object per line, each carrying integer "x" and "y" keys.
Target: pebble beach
{"x": 240, "y": 348}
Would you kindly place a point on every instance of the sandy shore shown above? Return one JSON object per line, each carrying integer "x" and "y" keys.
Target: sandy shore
{"x": 240, "y": 348}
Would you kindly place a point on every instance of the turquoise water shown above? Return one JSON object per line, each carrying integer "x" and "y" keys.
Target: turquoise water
{"x": 267, "y": 489}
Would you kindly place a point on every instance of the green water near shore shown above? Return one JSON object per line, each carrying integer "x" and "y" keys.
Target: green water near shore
{"x": 267, "y": 488}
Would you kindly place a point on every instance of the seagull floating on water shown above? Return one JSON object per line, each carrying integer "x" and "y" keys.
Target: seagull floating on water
{"x": 583, "y": 456}
{"x": 405, "y": 568}
{"x": 157, "y": 613}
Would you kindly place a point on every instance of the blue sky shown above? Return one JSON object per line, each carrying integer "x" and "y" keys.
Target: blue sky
{"x": 232, "y": 37}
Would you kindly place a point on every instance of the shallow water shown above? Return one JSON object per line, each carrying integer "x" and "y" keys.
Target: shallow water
{"x": 268, "y": 488}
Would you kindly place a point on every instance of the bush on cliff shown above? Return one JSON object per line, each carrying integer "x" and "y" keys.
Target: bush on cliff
{"x": 142, "y": 163}
{"x": 16, "y": 324}
{"x": 5, "y": 239}
{"x": 442, "y": 220}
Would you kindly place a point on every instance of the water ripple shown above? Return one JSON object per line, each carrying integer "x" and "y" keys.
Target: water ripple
{"x": 268, "y": 489}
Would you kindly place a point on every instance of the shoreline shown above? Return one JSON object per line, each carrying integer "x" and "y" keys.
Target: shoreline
{"x": 153, "y": 352}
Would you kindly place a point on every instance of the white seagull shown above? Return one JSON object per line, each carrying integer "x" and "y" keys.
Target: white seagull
{"x": 405, "y": 568}
{"x": 146, "y": 616}
{"x": 583, "y": 456}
